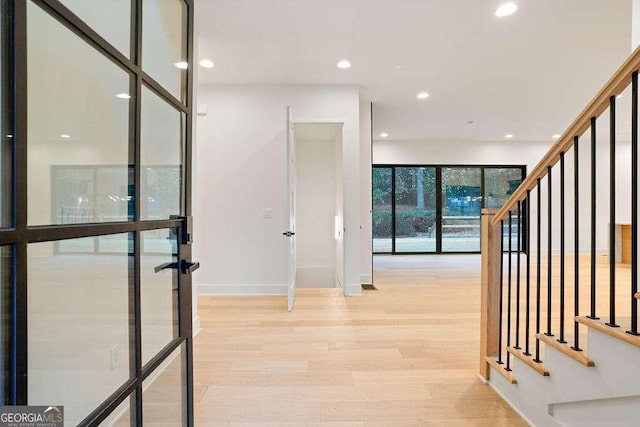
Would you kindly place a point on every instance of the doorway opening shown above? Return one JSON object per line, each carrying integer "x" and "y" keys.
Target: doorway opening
{"x": 319, "y": 205}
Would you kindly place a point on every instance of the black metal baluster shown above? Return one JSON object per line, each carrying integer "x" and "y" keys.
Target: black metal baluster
{"x": 538, "y": 268}
{"x": 519, "y": 241}
{"x": 549, "y": 260}
{"x": 634, "y": 204}
{"x": 509, "y": 297}
{"x": 562, "y": 261}
{"x": 501, "y": 291}
{"x": 612, "y": 213}
{"x": 592, "y": 315}
{"x": 576, "y": 245}
{"x": 528, "y": 296}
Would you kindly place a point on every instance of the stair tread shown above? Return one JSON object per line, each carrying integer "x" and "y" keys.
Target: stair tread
{"x": 618, "y": 333}
{"x": 565, "y": 349}
{"x": 528, "y": 360}
{"x": 501, "y": 369}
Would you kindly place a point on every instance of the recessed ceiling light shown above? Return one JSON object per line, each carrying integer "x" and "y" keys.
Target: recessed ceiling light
{"x": 343, "y": 64}
{"x": 65, "y": 136}
{"x": 182, "y": 65}
{"x": 508, "y": 136}
{"x": 9, "y": 136}
{"x": 422, "y": 95}
{"x": 384, "y": 135}
{"x": 206, "y": 63}
{"x": 556, "y": 136}
{"x": 506, "y": 9}
{"x": 123, "y": 96}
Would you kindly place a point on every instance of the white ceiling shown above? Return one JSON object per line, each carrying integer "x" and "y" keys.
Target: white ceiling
{"x": 529, "y": 74}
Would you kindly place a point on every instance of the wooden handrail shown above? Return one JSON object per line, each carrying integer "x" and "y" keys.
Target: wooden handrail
{"x": 597, "y": 106}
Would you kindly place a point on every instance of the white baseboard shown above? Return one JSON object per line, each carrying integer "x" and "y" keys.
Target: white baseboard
{"x": 242, "y": 290}
{"x": 366, "y": 279}
{"x": 353, "y": 290}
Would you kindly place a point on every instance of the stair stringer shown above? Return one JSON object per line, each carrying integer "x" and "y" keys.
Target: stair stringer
{"x": 556, "y": 400}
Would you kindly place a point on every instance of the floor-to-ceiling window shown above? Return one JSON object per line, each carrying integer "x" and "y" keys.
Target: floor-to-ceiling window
{"x": 95, "y": 255}
{"x": 436, "y": 208}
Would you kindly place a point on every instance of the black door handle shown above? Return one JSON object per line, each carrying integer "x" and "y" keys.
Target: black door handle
{"x": 166, "y": 265}
{"x": 288, "y": 233}
{"x": 189, "y": 267}
{"x": 186, "y": 267}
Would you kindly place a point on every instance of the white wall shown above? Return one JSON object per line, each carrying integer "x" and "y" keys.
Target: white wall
{"x": 529, "y": 154}
{"x": 459, "y": 152}
{"x": 315, "y": 212}
{"x": 242, "y": 143}
{"x": 366, "y": 244}
{"x": 635, "y": 25}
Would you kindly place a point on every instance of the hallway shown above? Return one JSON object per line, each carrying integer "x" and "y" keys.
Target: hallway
{"x": 403, "y": 355}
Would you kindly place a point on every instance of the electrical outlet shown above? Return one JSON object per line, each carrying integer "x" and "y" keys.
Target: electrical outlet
{"x": 114, "y": 353}
{"x": 267, "y": 213}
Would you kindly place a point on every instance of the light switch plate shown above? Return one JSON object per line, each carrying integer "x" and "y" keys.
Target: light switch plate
{"x": 267, "y": 213}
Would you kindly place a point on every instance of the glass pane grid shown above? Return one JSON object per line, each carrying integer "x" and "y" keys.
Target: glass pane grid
{"x": 81, "y": 172}
{"x": 405, "y": 199}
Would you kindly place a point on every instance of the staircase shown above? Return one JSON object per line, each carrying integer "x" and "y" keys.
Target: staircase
{"x": 559, "y": 321}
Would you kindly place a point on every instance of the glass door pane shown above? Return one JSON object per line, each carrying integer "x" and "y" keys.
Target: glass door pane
{"x": 415, "y": 209}
{"x": 499, "y": 184}
{"x": 79, "y": 331}
{"x": 382, "y": 195}
{"x": 78, "y": 110}
{"x": 461, "y": 204}
{"x": 111, "y": 19}
{"x": 163, "y": 398}
{"x": 164, "y": 44}
{"x": 159, "y": 291}
{"x": 162, "y": 138}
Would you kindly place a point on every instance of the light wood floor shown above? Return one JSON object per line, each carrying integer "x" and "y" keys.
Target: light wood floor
{"x": 405, "y": 355}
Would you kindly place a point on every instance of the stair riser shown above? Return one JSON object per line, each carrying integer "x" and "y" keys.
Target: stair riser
{"x": 556, "y": 400}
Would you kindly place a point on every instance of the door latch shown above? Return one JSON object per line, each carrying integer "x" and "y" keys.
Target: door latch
{"x": 186, "y": 267}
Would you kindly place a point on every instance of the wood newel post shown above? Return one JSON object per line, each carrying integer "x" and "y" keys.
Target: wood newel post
{"x": 490, "y": 295}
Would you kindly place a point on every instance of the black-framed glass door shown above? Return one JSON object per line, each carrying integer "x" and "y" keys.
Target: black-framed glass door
{"x": 95, "y": 209}
{"x": 433, "y": 209}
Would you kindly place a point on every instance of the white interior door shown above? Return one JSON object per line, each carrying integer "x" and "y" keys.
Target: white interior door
{"x": 291, "y": 191}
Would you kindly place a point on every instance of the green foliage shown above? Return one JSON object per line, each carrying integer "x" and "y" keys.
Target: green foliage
{"x": 408, "y": 223}
{"x": 379, "y": 196}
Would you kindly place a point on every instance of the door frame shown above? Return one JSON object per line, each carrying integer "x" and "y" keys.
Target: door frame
{"x": 341, "y": 276}
{"x": 20, "y": 234}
